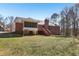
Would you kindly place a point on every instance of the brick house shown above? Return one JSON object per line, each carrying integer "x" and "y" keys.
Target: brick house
{"x": 25, "y": 25}
{"x": 32, "y": 26}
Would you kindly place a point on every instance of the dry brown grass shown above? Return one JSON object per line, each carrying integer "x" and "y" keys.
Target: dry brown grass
{"x": 39, "y": 45}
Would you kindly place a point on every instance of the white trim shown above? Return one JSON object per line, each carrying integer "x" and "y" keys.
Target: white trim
{"x": 30, "y": 29}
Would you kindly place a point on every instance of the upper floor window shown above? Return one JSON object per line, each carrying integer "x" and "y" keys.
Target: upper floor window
{"x": 30, "y": 24}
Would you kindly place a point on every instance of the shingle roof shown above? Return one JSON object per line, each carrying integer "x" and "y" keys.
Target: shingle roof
{"x": 20, "y": 19}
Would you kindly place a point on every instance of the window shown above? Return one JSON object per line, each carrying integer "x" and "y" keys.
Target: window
{"x": 30, "y": 24}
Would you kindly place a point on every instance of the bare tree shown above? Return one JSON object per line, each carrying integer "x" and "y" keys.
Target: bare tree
{"x": 74, "y": 17}
{"x": 1, "y": 18}
{"x": 70, "y": 20}
{"x": 2, "y": 21}
{"x": 65, "y": 22}
{"x": 62, "y": 23}
{"x": 54, "y": 18}
{"x": 8, "y": 22}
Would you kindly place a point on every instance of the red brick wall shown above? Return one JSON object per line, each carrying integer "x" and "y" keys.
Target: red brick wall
{"x": 19, "y": 27}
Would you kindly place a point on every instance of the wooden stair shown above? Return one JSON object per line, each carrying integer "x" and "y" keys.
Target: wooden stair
{"x": 46, "y": 31}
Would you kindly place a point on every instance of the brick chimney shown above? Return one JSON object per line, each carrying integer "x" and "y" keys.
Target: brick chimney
{"x": 46, "y": 23}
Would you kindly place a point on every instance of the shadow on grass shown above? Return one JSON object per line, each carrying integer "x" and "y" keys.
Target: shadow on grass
{"x": 9, "y": 35}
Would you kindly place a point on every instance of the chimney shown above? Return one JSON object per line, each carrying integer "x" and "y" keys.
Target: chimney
{"x": 46, "y": 23}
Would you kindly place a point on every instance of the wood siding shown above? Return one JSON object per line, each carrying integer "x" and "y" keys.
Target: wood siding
{"x": 55, "y": 30}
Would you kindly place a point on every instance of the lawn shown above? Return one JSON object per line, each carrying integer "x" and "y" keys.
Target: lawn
{"x": 39, "y": 46}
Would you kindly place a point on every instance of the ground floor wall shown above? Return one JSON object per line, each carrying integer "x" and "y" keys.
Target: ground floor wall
{"x": 30, "y": 31}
